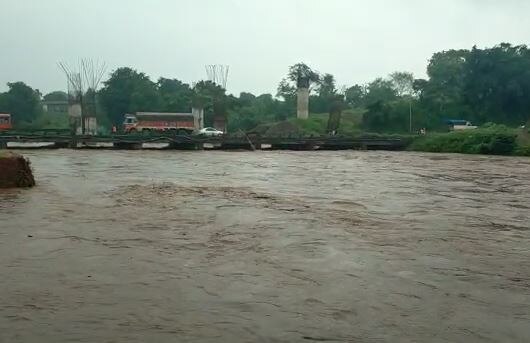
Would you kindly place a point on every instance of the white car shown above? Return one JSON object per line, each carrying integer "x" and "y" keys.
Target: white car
{"x": 210, "y": 132}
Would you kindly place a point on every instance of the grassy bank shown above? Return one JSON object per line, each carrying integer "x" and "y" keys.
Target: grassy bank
{"x": 315, "y": 125}
{"x": 488, "y": 140}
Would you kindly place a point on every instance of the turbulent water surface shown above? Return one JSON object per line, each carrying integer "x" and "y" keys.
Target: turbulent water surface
{"x": 153, "y": 246}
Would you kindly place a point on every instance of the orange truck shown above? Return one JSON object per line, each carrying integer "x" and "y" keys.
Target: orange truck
{"x": 182, "y": 123}
{"x": 5, "y": 122}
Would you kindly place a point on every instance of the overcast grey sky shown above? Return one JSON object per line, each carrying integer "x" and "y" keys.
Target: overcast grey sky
{"x": 356, "y": 40}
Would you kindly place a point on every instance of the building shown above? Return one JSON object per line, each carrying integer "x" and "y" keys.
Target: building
{"x": 55, "y": 106}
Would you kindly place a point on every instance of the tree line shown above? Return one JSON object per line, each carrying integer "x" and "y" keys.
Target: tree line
{"x": 479, "y": 85}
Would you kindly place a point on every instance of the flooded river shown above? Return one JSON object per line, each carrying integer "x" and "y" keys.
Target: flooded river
{"x": 154, "y": 246}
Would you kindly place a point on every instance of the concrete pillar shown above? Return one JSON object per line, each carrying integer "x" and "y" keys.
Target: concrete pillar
{"x": 198, "y": 117}
{"x": 74, "y": 112}
{"x": 219, "y": 123}
{"x": 91, "y": 126}
{"x": 302, "y": 108}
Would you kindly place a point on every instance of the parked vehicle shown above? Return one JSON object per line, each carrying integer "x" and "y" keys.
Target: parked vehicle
{"x": 210, "y": 132}
{"x": 182, "y": 123}
{"x": 5, "y": 122}
{"x": 459, "y": 125}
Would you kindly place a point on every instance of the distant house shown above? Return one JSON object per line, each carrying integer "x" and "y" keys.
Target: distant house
{"x": 55, "y": 106}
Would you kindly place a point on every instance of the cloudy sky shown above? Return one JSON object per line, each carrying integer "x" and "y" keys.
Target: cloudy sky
{"x": 356, "y": 40}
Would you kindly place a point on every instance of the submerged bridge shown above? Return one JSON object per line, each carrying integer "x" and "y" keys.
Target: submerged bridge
{"x": 61, "y": 140}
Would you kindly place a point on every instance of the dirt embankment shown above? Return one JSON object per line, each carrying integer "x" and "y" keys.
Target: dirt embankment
{"x": 15, "y": 171}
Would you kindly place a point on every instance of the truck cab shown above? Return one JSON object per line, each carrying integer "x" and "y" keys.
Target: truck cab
{"x": 5, "y": 122}
{"x": 129, "y": 122}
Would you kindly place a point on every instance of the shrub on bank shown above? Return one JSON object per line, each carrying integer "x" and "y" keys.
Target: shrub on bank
{"x": 16, "y": 171}
{"x": 491, "y": 140}
{"x": 523, "y": 150}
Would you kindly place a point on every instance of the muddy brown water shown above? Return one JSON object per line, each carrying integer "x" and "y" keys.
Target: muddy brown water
{"x": 154, "y": 246}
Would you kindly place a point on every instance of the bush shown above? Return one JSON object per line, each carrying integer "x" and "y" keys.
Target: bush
{"x": 492, "y": 140}
{"x": 523, "y": 150}
{"x": 315, "y": 126}
{"x": 46, "y": 121}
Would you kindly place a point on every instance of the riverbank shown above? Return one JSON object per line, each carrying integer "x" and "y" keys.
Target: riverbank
{"x": 489, "y": 140}
{"x": 15, "y": 171}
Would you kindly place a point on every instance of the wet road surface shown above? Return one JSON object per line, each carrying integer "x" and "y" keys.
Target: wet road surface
{"x": 153, "y": 246}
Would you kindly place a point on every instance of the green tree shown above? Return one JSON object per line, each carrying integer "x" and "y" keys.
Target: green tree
{"x": 481, "y": 85}
{"x": 56, "y": 96}
{"x": 443, "y": 93}
{"x": 497, "y": 84}
{"x": 175, "y": 96}
{"x": 403, "y": 83}
{"x": 355, "y": 96}
{"x": 325, "y": 94}
{"x": 286, "y": 91}
{"x": 252, "y": 111}
{"x": 387, "y": 116}
{"x": 380, "y": 90}
{"x": 302, "y": 75}
{"x": 246, "y": 99}
{"x": 213, "y": 99}
{"x": 326, "y": 85}
{"x": 22, "y": 101}
{"x": 336, "y": 106}
{"x": 128, "y": 91}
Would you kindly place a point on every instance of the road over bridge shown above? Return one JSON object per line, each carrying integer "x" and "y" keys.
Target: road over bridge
{"x": 229, "y": 142}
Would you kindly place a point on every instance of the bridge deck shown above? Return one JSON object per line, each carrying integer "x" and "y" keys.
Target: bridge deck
{"x": 183, "y": 141}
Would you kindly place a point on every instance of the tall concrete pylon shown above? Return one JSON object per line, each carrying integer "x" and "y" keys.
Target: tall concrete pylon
{"x": 198, "y": 117}
{"x": 302, "y": 106}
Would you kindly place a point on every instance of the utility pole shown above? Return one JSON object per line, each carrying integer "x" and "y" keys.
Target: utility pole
{"x": 82, "y": 114}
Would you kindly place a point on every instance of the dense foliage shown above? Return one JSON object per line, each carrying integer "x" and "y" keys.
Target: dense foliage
{"x": 56, "y": 96}
{"x": 479, "y": 85}
{"x": 490, "y": 140}
{"x": 22, "y": 101}
{"x": 128, "y": 91}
